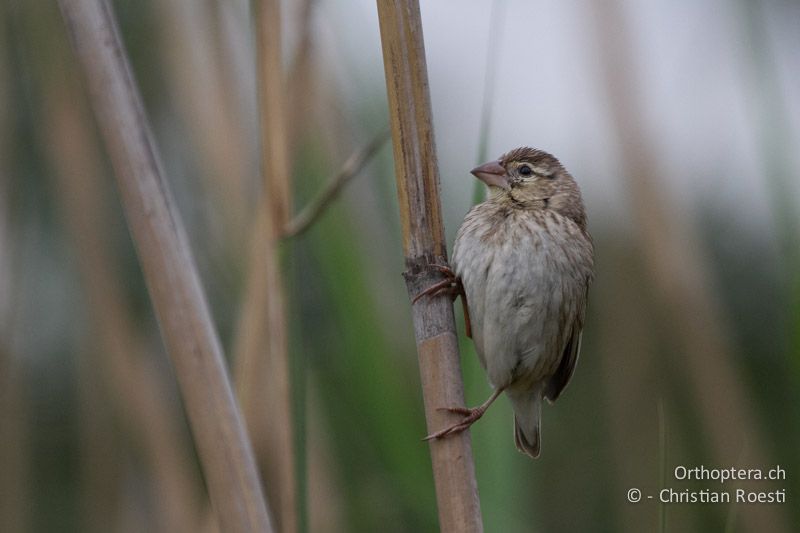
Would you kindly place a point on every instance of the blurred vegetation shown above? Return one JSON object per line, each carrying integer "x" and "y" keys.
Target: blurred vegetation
{"x": 68, "y": 461}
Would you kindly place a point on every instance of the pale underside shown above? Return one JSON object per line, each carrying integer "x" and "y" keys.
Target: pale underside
{"x": 526, "y": 296}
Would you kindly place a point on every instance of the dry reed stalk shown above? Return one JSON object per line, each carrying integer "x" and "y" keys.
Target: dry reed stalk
{"x": 423, "y": 245}
{"x": 301, "y": 81}
{"x": 272, "y": 111}
{"x": 137, "y": 390}
{"x": 325, "y": 496}
{"x": 261, "y": 346}
{"x": 207, "y": 106}
{"x": 679, "y": 276}
{"x": 262, "y": 370}
{"x": 173, "y": 283}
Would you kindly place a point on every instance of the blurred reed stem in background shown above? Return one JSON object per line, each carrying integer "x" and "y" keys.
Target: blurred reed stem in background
{"x": 493, "y": 59}
{"x": 678, "y": 274}
{"x": 169, "y": 269}
{"x": 92, "y": 436}
{"x": 275, "y": 165}
{"x": 131, "y": 380}
{"x": 301, "y": 80}
{"x": 622, "y": 329}
{"x": 773, "y": 140}
{"x": 207, "y": 98}
{"x": 261, "y": 346}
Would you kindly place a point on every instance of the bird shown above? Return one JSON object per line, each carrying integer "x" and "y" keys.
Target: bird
{"x": 523, "y": 261}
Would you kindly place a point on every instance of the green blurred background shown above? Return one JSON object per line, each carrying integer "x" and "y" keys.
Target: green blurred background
{"x": 678, "y": 119}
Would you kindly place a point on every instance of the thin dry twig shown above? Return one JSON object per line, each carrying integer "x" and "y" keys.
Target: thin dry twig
{"x": 311, "y": 212}
{"x": 423, "y": 246}
{"x": 169, "y": 270}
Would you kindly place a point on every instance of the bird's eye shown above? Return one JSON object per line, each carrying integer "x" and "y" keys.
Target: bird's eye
{"x": 525, "y": 170}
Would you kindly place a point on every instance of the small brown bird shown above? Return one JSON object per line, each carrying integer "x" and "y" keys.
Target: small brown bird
{"x": 523, "y": 260}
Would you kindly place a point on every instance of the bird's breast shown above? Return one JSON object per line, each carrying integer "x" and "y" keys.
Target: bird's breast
{"x": 522, "y": 273}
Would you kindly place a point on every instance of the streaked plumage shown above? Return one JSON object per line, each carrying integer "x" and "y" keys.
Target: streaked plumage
{"x": 525, "y": 260}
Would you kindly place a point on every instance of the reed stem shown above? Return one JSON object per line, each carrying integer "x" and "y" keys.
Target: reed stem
{"x": 424, "y": 245}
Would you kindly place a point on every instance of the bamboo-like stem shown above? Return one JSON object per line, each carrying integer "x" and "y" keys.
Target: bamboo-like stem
{"x": 423, "y": 245}
{"x": 261, "y": 346}
{"x": 310, "y": 213}
{"x": 169, "y": 270}
{"x": 674, "y": 263}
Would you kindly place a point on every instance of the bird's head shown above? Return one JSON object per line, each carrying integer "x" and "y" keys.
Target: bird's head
{"x": 533, "y": 179}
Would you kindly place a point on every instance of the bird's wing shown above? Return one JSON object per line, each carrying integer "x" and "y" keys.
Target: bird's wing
{"x": 569, "y": 357}
{"x": 566, "y": 367}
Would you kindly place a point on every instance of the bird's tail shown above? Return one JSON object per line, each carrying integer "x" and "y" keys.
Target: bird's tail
{"x": 527, "y": 415}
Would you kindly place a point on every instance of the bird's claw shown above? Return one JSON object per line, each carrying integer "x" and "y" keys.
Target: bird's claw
{"x": 458, "y": 428}
{"x": 470, "y": 417}
{"x": 449, "y": 285}
{"x": 466, "y": 411}
{"x": 445, "y": 286}
{"x": 446, "y": 270}
{"x": 452, "y": 285}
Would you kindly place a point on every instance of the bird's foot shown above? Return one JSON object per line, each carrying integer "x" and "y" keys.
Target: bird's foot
{"x": 450, "y": 285}
{"x": 470, "y": 417}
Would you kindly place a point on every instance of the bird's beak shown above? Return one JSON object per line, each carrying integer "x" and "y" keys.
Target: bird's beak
{"x": 492, "y": 174}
